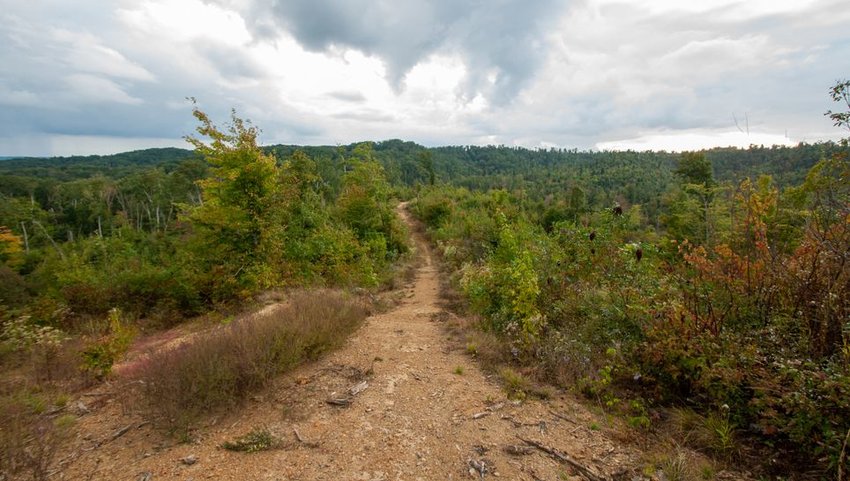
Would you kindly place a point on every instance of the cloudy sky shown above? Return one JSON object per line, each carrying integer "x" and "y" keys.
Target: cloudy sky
{"x": 100, "y": 76}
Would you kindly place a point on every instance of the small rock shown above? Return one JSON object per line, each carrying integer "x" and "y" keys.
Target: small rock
{"x": 358, "y": 388}
{"x": 189, "y": 460}
{"x": 146, "y": 476}
{"x": 481, "y": 467}
{"x": 79, "y": 408}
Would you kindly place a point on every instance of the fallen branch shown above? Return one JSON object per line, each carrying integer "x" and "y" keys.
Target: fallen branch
{"x": 519, "y": 424}
{"x": 119, "y": 433}
{"x": 55, "y": 410}
{"x": 586, "y": 472}
{"x": 518, "y": 450}
{"x": 303, "y": 441}
{"x": 561, "y": 416}
{"x": 62, "y": 462}
{"x": 341, "y": 401}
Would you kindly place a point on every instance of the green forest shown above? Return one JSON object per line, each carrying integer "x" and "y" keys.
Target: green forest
{"x": 716, "y": 281}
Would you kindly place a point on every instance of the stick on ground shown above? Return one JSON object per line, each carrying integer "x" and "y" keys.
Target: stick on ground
{"x": 586, "y": 472}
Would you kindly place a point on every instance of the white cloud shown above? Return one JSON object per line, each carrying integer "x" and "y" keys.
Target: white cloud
{"x": 90, "y": 88}
{"x": 697, "y": 139}
{"x": 186, "y": 20}
{"x": 84, "y": 52}
{"x": 572, "y": 73}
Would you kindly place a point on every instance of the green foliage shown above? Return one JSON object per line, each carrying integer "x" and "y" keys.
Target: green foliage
{"x": 840, "y": 93}
{"x": 100, "y": 355}
{"x": 694, "y": 168}
{"x": 258, "y": 439}
{"x": 364, "y": 206}
{"x": 235, "y": 228}
{"x": 504, "y": 287}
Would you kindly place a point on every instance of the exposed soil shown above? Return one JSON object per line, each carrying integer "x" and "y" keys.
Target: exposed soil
{"x": 419, "y": 418}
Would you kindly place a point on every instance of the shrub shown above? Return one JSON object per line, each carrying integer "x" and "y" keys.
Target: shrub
{"x": 218, "y": 370}
{"x": 99, "y": 356}
{"x": 29, "y": 442}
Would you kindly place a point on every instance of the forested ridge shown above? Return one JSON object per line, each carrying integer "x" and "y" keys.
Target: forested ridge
{"x": 712, "y": 282}
{"x": 602, "y": 177}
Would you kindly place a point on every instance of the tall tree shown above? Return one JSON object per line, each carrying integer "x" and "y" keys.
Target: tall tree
{"x": 235, "y": 225}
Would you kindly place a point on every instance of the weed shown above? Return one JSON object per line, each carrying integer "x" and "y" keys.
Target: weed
{"x": 676, "y": 467}
{"x": 714, "y": 434}
{"x": 594, "y": 426}
{"x": 516, "y": 386}
{"x": 638, "y": 416}
{"x": 458, "y": 370}
{"x": 720, "y": 434}
{"x": 259, "y": 439}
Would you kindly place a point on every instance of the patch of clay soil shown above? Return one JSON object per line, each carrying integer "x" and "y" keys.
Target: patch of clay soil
{"x": 417, "y": 419}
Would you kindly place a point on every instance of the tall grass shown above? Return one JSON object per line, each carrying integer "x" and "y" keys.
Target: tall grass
{"x": 218, "y": 370}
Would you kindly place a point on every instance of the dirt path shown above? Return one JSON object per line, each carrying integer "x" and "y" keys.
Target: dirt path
{"x": 418, "y": 419}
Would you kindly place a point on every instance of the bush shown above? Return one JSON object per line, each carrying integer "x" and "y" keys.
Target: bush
{"x": 14, "y": 290}
{"x": 99, "y": 356}
{"x": 218, "y": 370}
{"x": 29, "y": 441}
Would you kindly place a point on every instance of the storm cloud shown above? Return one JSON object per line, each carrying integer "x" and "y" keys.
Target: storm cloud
{"x": 577, "y": 73}
{"x": 501, "y": 43}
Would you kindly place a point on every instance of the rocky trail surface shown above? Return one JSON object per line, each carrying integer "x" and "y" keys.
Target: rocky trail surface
{"x": 398, "y": 402}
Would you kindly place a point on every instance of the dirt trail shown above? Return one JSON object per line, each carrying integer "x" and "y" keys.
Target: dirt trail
{"x": 418, "y": 419}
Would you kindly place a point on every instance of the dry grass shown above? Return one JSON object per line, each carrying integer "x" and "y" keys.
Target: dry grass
{"x": 218, "y": 370}
{"x": 35, "y": 382}
{"x": 712, "y": 434}
{"x": 677, "y": 463}
{"x": 29, "y": 438}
